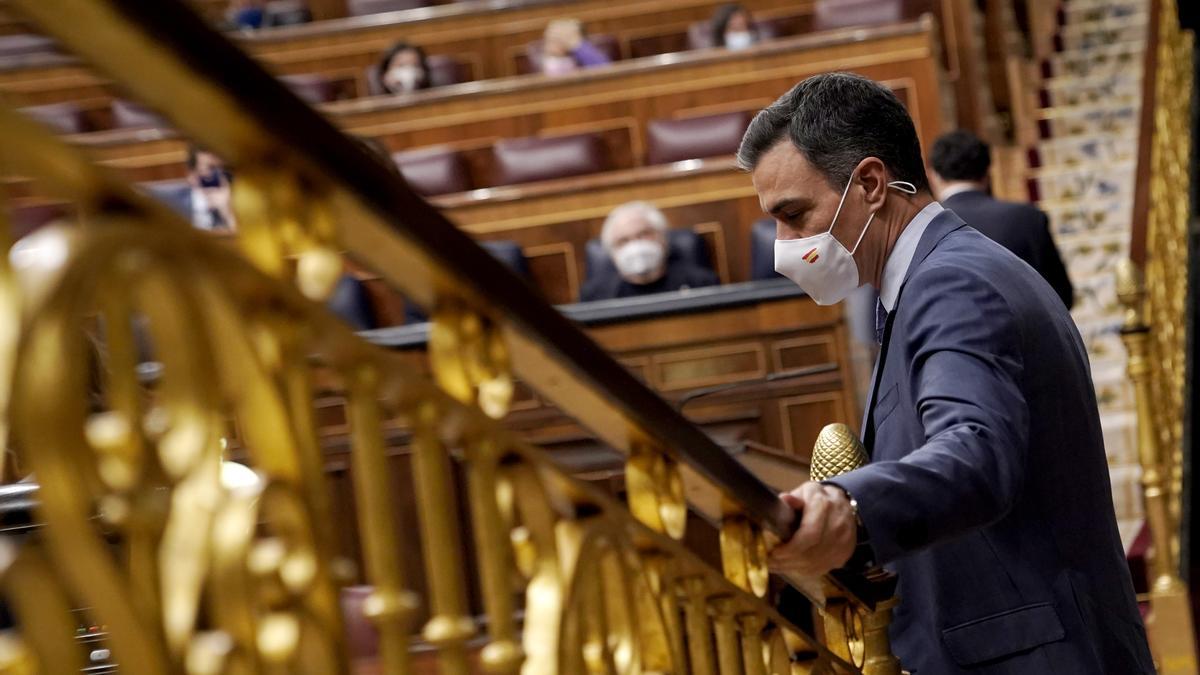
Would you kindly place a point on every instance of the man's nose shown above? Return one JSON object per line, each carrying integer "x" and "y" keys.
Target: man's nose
{"x": 783, "y": 232}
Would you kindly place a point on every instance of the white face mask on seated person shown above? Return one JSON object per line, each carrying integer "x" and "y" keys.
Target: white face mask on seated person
{"x": 740, "y": 39}
{"x": 404, "y": 78}
{"x": 820, "y": 264}
{"x": 638, "y": 258}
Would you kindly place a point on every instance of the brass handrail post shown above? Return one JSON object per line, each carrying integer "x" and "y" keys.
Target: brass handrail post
{"x": 1169, "y": 624}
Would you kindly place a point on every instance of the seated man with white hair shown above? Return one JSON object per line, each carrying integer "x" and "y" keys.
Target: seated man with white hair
{"x": 635, "y": 237}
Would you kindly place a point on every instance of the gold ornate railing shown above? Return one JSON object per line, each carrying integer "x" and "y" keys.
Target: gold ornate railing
{"x": 1154, "y": 288}
{"x": 209, "y": 577}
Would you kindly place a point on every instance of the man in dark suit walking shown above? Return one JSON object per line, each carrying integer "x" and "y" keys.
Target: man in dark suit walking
{"x": 987, "y": 489}
{"x": 961, "y": 163}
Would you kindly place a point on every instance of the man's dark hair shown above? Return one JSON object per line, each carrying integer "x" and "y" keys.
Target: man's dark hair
{"x": 960, "y": 155}
{"x": 836, "y": 120}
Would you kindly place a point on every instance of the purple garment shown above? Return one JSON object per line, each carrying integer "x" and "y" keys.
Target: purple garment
{"x": 588, "y": 56}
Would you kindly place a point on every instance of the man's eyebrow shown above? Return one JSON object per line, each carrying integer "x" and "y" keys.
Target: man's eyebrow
{"x": 789, "y": 202}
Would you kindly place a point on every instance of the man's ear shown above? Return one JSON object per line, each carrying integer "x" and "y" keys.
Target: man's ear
{"x": 871, "y": 177}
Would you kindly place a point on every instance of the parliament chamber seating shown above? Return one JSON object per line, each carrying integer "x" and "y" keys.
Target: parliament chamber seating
{"x": 434, "y": 171}
{"x": 286, "y": 13}
{"x": 133, "y": 115}
{"x": 762, "y": 249}
{"x": 832, "y": 14}
{"x": 444, "y": 70}
{"x": 63, "y": 118}
{"x": 366, "y": 7}
{"x": 700, "y": 33}
{"x": 25, "y": 44}
{"x": 674, "y": 140}
{"x": 312, "y": 89}
{"x": 530, "y": 60}
{"x": 530, "y": 159}
{"x": 683, "y": 245}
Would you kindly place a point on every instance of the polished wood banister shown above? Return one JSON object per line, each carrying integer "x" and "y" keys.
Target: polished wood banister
{"x": 232, "y": 104}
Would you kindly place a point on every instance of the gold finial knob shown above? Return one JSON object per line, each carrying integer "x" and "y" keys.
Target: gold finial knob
{"x": 1130, "y": 290}
{"x": 836, "y": 451}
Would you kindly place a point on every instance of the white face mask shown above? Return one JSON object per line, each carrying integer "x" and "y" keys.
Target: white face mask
{"x": 740, "y": 39}
{"x": 638, "y": 258}
{"x": 404, "y": 78}
{"x": 820, "y": 264}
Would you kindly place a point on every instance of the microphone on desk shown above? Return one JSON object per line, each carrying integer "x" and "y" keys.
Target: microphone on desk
{"x": 836, "y": 451}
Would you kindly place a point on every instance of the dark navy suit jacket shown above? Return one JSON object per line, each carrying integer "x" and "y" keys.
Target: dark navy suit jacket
{"x": 1020, "y": 228}
{"x": 988, "y": 490}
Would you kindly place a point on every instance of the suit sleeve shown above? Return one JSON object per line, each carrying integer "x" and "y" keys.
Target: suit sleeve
{"x": 1052, "y": 264}
{"x": 963, "y": 343}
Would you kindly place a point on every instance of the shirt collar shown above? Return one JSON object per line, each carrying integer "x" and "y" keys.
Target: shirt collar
{"x": 896, "y": 267}
{"x": 959, "y": 188}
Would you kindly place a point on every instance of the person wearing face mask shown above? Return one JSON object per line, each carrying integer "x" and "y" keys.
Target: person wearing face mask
{"x": 565, "y": 49}
{"x": 987, "y": 486}
{"x": 733, "y": 27}
{"x": 635, "y": 237}
{"x": 404, "y": 69}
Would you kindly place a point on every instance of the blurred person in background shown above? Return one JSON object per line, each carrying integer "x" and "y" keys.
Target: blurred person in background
{"x": 565, "y": 49}
{"x": 404, "y": 68}
{"x": 635, "y": 237}
{"x": 246, "y": 14}
{"x": 960, "y": 179}
{"x": 209, "y": 201}
{"x": 733, "y": 27}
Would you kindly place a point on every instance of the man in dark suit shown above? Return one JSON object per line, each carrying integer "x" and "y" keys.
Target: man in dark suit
{"x": 961, "y": 163}
{"x": 987, "y": 489}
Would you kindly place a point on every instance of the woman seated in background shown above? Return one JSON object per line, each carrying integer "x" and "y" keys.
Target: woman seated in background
{"x": 565, "y": 49}
{"x": 733, "y": 27}
{"x": 403, "y": 69}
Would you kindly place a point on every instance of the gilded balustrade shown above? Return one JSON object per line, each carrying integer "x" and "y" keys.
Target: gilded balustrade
{"x": 211, "y": 578}
{"x": 1155, "y": 334}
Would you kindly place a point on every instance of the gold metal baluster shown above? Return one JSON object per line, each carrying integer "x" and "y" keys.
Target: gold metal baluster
{"x": 877, "y": 644}
{"x": 42, "y": 608}
{"x": 753, "y": 650}
{"x": 1170, "y": 621}
{"x": 450, "y": 627}
{"x": 665, "y": 591}
{"x": 502, "y": 654}
{"x": 699, "y": 633}
{"x": 744, "y": 555}
{"x": 725, "y": 627}
{"x": 391, "y": 605}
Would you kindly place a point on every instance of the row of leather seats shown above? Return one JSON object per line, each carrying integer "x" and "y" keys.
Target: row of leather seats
{"x": 438, "y": 171}
{"x": 70, "y": 118}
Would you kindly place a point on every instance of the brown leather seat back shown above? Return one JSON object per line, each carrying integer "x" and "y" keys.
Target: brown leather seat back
{"x": 694, "y": 137}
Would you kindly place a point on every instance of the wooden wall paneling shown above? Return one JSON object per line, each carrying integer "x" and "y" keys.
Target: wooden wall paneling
{"x": 680, "y": 369}
{"x": 554, "y": 271}
{"x": 803, "y": 417}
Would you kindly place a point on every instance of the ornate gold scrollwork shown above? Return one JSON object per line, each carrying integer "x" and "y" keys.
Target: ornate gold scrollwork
{"x": 654, "y": 488}
{"x": 149, "y": 460}
{"x": 287, "y": 215}
{"x": 470, "y": 359}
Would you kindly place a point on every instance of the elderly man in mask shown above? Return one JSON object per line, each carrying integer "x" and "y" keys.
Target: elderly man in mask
{"x": 635, "y": 237}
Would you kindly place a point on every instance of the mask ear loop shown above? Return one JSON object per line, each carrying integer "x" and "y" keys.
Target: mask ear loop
{"x": 838, "y": 212}
{"x": 901, "y": 185}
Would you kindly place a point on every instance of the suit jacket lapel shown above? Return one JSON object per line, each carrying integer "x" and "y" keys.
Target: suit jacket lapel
{"x": 942, "y": 224}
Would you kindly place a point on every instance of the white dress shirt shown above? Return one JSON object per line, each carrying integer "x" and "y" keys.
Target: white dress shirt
{"x": 896, "y": 267}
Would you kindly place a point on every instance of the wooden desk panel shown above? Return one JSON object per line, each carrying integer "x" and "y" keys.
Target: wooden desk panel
{"x": 625, "y": 96}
